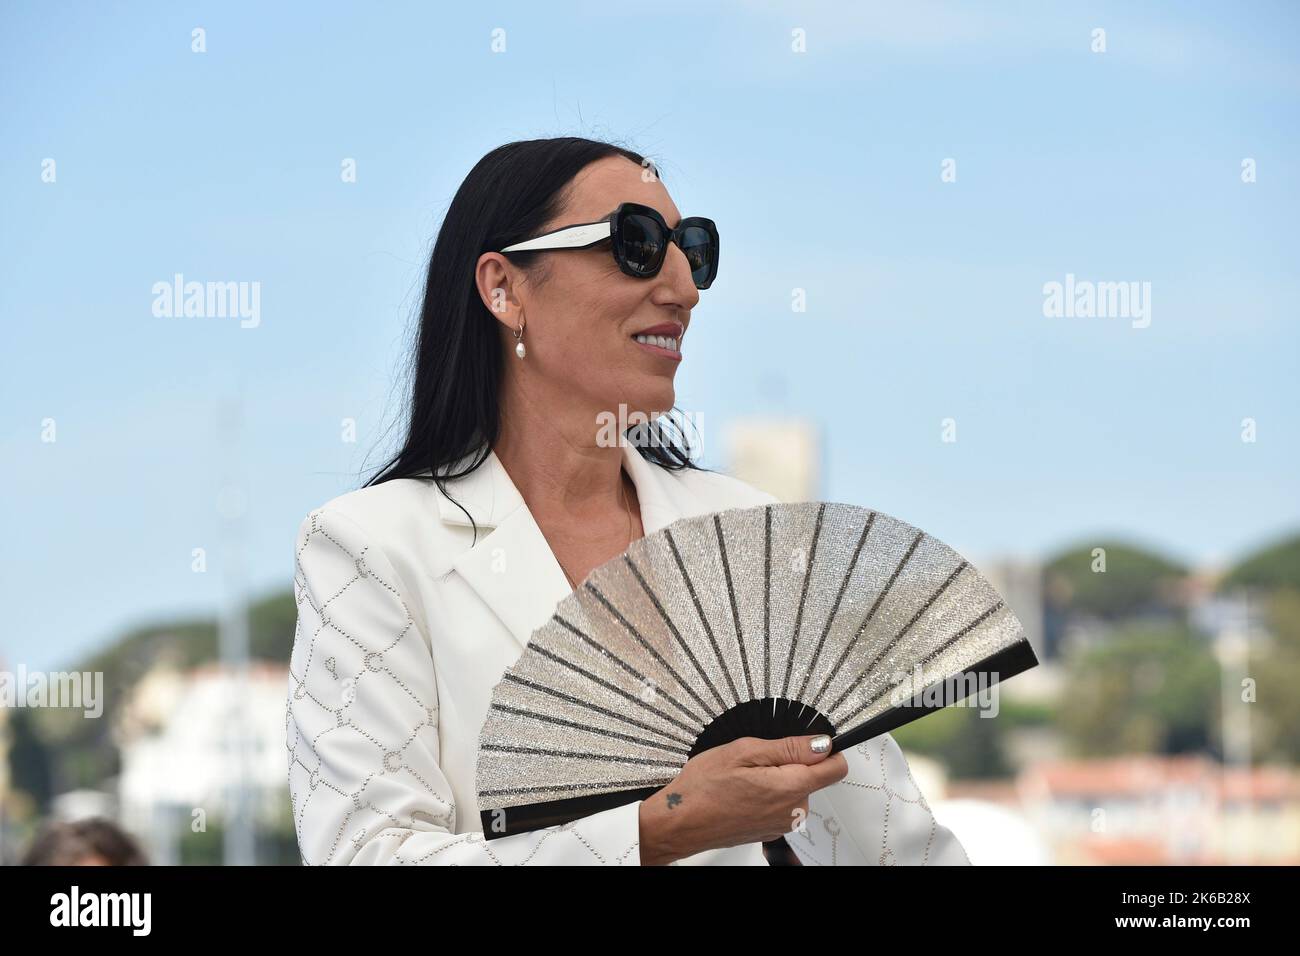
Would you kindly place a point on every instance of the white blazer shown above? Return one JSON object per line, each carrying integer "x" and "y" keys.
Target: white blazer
{"x": 405, "y": 626}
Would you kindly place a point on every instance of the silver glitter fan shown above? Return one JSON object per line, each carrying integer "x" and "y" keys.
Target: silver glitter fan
{"x": 768, "y": 622}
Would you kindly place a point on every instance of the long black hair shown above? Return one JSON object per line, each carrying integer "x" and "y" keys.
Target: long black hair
{"x": 456, "y": 365}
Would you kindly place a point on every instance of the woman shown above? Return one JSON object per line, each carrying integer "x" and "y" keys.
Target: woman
{"x": 416, "y": 592}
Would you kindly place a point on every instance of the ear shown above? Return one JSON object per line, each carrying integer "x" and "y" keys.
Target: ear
{"x": 498, "y": 283}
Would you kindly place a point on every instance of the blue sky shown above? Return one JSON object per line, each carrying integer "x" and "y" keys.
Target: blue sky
{"x": 822, "y": 169}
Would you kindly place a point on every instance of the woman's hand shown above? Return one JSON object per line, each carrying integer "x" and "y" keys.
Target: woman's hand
{"x": 748, "y": 791}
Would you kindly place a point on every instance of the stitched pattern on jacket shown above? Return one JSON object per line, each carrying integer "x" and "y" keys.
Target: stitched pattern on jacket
{"x": 875, "y": 793}
{"x": 361, "y": 725}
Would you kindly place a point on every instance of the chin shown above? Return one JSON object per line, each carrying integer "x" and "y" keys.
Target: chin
{"x": 659, "y": 396}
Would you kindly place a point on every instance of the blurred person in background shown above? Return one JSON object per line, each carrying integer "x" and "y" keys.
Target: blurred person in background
{"x": 92, "y": 842}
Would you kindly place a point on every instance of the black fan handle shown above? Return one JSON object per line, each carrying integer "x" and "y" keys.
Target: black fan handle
{"x": 780, "y": 853}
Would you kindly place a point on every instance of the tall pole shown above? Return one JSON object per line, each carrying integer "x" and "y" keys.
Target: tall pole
{"x": 1232, "y": 647}
{"x": 238, "y": 836}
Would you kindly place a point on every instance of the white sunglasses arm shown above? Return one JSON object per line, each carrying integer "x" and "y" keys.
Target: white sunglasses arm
{"x": 571, "y": 237}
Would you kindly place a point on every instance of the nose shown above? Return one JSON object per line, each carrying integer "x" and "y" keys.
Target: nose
{"x": 679, "y": 285}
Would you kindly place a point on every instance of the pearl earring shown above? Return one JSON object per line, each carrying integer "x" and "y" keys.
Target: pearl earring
{"x": 519, "y": 339}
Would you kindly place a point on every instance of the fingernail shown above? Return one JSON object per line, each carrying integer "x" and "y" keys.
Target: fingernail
{"x": 821, "y": 743}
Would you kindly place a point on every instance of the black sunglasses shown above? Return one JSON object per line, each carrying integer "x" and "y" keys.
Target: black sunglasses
{"x": 639, "y": 238}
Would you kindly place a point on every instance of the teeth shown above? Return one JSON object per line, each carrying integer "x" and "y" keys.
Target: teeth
{"x": 663, "y": 341}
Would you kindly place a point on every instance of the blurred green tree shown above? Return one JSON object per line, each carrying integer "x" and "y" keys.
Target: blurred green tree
{"x": 1270, "y": 568}
{"x": 1135, "y": 580}
{"x": 29, "y": 760}
{"x": 968, "y": 745}
{"x": 1149, "y": 689}
{"x": 1276, "y": 671}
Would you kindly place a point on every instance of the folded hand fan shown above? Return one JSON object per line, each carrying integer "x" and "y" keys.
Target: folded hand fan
{"x": 772, "y": 621}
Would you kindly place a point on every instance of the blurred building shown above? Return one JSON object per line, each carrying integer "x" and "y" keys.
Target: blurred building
{"x": 1219, "y": 615}
{"x": 82, "y": 805}
{"x": 1021, "y": 585}
{"x": 1161, "y": 810}
{"x": 190, "y": 739}
{"x": 781, "y": 456}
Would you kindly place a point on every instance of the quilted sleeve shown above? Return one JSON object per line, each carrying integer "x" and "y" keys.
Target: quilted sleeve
{"x": 875, "y": 816}
{"x": 362, "y": 728}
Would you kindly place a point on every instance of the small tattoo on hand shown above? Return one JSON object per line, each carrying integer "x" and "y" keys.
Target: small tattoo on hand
{"x": 674, "y": 799}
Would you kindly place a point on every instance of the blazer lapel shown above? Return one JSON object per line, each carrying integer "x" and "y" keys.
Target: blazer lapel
{"x": 512, "y": 568}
